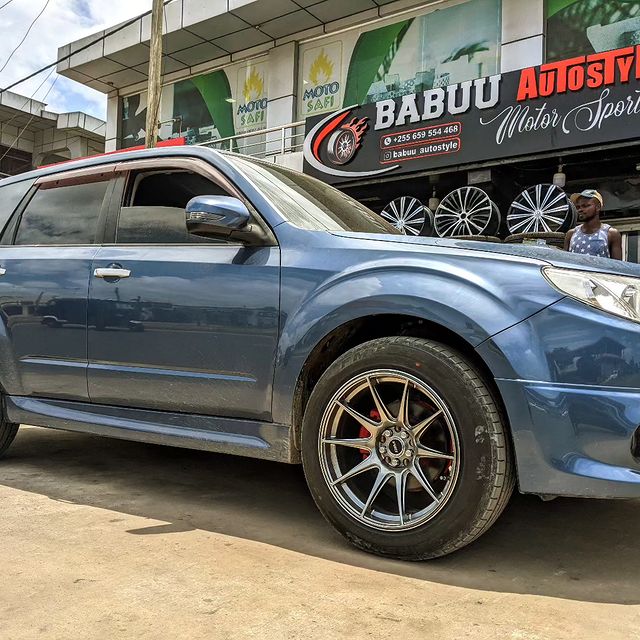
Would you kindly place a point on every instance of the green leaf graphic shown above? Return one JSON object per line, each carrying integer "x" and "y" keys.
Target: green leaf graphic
{"x": 369, "y": 54}
{"x": 554, "y": 6}
{"x": 215, "y": 90}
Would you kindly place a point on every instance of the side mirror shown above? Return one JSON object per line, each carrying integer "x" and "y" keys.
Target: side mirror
{"x": 216, "y": 215}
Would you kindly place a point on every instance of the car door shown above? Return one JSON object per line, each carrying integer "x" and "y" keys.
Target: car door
{"x": 44, "y": 284}
{"x": 183, "y": 324}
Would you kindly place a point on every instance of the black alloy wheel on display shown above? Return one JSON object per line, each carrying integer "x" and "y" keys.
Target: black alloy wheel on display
{"x": 467, "y": 211}
{"x": 409, "y": 216}
{"x": 405, "y": 449}
{"x": 543, "y": 208}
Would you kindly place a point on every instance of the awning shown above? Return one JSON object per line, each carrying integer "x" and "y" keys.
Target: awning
{"x": 201, "y": 33}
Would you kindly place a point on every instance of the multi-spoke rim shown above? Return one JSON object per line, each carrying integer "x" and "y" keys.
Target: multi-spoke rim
{"x": 388, "y": 449}
{"x": 544, "y": 208}
{"x": 467, "y": 211}
{"x": 406, "y": 214}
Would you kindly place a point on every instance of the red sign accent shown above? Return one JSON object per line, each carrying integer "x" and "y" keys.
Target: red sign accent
{"x": 593, "y": 71}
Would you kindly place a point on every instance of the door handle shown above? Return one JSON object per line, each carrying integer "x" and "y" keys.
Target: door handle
{"x": 111, "y": 272}
{"x": 2, "y": 271}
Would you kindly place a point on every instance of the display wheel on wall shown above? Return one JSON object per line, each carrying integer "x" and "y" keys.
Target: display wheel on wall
{"x": 409, "y": 215}
{"x": 467, "y": 211}
{"x": 544, "y": 208}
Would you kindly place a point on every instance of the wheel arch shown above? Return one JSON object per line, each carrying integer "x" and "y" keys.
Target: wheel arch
{"x": 360, "y": 330}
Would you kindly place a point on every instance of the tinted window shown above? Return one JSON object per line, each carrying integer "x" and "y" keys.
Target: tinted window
{"x": 310, "y": 203}
{"x": 63, "y": 215}
{"x": 154, "y": 225}
{"x": 10, "y": 197}
{"x": 157, "y": 211}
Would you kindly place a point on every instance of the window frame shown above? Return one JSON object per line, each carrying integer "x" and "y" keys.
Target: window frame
{"x": 87, "y": 175}
{"x": 126, "y": 171}
{"x": 6, "y": 239}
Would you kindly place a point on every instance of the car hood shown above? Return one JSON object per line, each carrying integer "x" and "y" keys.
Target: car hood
{"x": 541, "y": 253}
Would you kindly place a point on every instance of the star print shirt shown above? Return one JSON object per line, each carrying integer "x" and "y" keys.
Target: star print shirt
{"x": 593, "y": 244}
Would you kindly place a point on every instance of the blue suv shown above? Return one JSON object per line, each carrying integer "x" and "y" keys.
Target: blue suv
{"x": 183, "y": 297}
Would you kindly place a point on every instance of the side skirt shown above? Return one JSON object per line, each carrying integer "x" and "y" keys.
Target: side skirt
{"x": 267, "y": 441}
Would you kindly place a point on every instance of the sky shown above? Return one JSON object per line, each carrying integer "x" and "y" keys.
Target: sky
{"x": 62, "y": 22}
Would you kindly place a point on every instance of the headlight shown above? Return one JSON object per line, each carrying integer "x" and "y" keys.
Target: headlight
{"x": 619, "y": 295}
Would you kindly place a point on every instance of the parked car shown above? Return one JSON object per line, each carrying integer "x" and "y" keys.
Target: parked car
{"x": 417, "y": 380}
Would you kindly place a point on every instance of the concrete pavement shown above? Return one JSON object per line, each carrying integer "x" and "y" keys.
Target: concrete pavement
{"x": 112, "y": 539}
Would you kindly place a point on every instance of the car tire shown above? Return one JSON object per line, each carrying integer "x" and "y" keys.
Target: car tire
{"x": 550, "y": 239}
{"x": 8, "y": 431}
{"x": 464, "y": 452}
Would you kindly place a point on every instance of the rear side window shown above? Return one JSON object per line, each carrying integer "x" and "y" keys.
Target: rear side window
{"x": 10, "y": 197}
{"x": 63, "y": 215}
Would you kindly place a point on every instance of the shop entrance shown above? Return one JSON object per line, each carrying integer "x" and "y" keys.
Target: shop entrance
{"x": 614, "y": 172}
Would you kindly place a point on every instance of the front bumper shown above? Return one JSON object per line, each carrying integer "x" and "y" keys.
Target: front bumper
{"x": 570, "y": 381}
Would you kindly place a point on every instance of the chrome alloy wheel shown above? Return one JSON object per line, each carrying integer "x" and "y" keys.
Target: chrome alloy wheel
{"x": 388, "y": 450}
{"x": 544, "y": 208}
{"x": 408, "y": 215}
{"x": 467, "y": 211}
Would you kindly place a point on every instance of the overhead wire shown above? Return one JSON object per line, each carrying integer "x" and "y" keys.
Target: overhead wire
{"x": 26, "y": 126}
{"x": 2, "y": 6}
{"x": 58, "y": 61}
{"x": 28, "y": 100}
{"x": 124, "y": 25}
{"x": 6, "y": 62}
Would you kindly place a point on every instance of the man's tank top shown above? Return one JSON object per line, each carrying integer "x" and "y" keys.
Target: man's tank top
{"x": 593, "y": 244}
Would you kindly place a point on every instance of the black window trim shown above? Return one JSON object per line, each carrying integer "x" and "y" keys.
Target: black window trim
{"x": 9, "y": 231}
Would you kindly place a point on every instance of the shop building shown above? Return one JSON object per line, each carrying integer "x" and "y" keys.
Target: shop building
{"x": 31, "y": 135}
{"x": 399, "y": 98}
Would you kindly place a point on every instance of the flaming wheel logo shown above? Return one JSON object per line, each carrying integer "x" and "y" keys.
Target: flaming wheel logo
{"x": 343, "y": 138}
{"x": 344, "y": 143}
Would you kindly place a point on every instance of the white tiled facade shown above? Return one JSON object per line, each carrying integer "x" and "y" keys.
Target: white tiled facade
{"x": 27, "y": 126}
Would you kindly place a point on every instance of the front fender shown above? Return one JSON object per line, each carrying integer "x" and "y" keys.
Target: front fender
{"x": 447, "y": 293}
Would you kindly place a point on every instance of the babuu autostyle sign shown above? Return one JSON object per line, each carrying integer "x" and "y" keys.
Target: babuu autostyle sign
{"x": 583, "y": 101}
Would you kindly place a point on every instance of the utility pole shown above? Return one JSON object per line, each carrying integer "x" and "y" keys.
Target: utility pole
{"x": 154, "y": 87}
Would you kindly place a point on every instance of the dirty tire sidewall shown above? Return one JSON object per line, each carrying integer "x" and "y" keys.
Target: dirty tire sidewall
{"x": 8, "y": 431}
{"x": 485, "y": 480}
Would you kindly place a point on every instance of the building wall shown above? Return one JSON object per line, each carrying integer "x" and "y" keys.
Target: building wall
{"x": 527, "y": 29}
{"x": 280, "y": 69}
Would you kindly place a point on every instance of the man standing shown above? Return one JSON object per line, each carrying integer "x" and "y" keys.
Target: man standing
{"x": 592, "y": 237}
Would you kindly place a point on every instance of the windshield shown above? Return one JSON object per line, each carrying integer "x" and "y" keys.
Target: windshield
{"x": 310, "y": 203}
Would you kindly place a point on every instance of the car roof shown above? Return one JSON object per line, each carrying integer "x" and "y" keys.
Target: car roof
{"x": 192, "y": 151}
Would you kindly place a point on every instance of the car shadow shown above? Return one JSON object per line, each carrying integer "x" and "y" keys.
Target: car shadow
{"x": 583, "y": 550}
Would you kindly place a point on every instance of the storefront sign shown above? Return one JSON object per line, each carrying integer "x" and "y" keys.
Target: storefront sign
{"x": 391, "y": 58}
{"x": 322, "y": 72}
{"x": 251, "y": 105}
{"x": 579, "y": 102}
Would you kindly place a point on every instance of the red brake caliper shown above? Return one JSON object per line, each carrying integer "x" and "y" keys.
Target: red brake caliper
{"x": 374, "y": 415}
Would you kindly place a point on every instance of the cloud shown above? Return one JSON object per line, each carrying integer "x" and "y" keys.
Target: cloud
{"x": 63, "y": 22}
